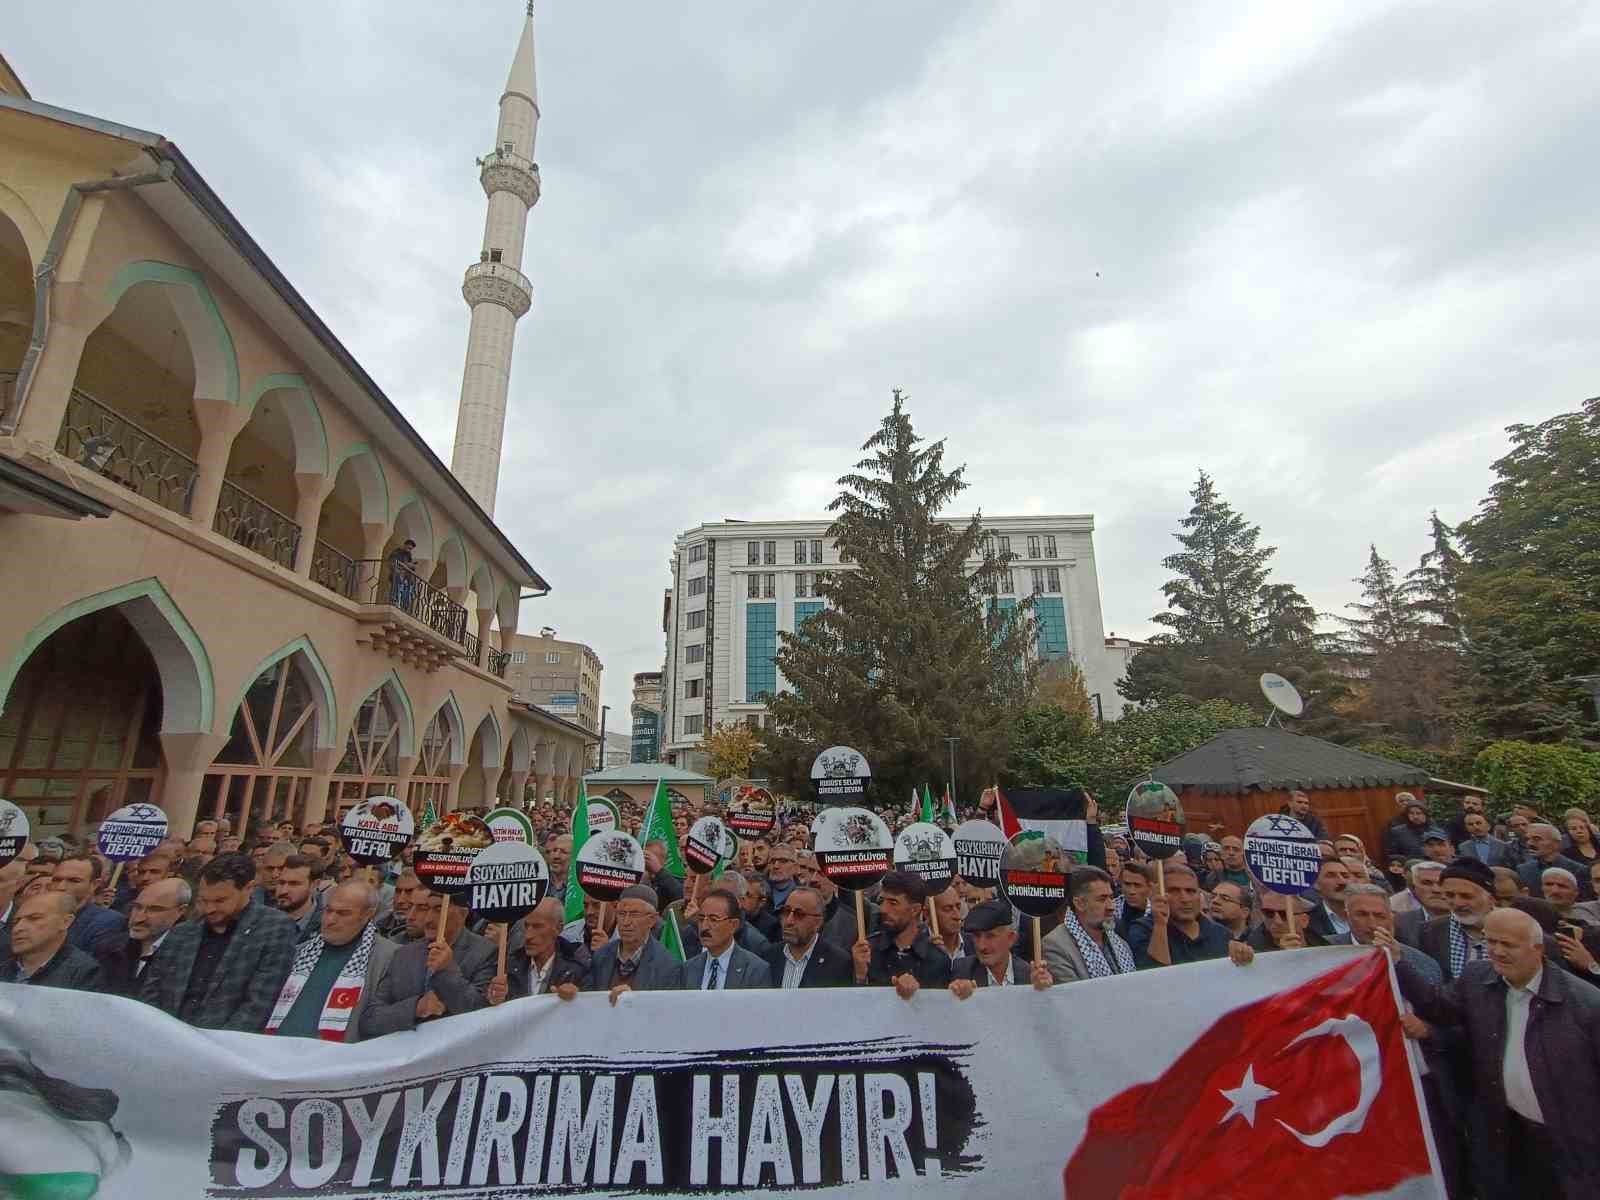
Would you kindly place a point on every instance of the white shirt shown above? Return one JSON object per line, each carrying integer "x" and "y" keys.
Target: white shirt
{"x": 148, "y": 956}
{"x": 795, "y": 968}
{"x": 1520, "y": 1096}
{"x": 1340, "y": 925}
{"x": 539, "y": 977}
{"x": 724, "y": 958}
{"x": 1005, "y": 976}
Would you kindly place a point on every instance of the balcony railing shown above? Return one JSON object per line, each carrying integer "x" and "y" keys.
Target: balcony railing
{"x": 497, "y": 663}
{"x": 474, "y": 647}
{"x": 333, "y": 570}
{"x": 256, "y": 525}
{"x": 108, "y": 443}
{"x": 384, "y": 581}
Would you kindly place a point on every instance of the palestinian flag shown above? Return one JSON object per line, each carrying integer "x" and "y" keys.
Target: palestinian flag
{"x": 947, "y": 811}
{"x": 58, "y": 1142}
{"x": 1055, "y": 812}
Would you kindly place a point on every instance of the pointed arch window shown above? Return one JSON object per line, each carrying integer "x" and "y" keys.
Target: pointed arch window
{"x": 264, "y": 769}
{"x": 432, "y": 780}
{"x": 371, "y": 762}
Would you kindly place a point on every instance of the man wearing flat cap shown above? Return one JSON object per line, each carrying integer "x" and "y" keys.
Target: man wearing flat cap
{"x": 634, "y": 960}
{"x": 994, "y": 964}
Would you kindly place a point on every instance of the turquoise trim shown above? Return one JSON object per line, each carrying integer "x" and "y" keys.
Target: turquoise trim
{"x": 326, "y": 738}
{"x": 294, "y": 383}
{"x": 143, "y": 589}
{"x": 499, "y": 757}
{"x": 150, "y": 271}
{"x": 356, "y": 450}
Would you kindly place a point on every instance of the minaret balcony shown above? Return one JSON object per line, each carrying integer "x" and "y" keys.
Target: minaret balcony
{"x": 506, "y": 172}
{"x": 497, "y": 283}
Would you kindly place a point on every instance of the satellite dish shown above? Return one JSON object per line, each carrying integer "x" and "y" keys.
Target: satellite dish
{"x": 1281, "y": 694}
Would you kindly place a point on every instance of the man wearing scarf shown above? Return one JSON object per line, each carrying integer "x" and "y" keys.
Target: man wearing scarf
{"x": 1085, "y": 945}
{"x": 335, "y": 972}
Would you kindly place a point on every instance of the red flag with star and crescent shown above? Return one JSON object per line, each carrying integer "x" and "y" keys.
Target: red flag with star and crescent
{"x": 1305, "y": 1095}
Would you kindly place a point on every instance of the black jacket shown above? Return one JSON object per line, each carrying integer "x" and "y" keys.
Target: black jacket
{"x": 766, "y": 924}
{"x": 968, "y": 967}
{"x": 68, "y": 967}
{"x": 839, "y": 919}
{"x": 118, "y": 963}
{"x": 925, "y": 960}
{"x": 1531, "y": 873}
{"x": 830, "y": 966}
{"x": 572, "y": 963}
{"x": 1403, "y": 840}
{"x": 1563, "y": 1050}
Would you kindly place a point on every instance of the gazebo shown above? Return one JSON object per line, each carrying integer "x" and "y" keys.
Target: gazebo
{"x": 1242, "y": 774}
{"x": 637, "y": 782}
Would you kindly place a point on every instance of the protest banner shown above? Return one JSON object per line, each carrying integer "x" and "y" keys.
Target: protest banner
{"x": 708, "y": 844}
{"x": 854, "y": 849}
{"x": 1033, "y": 876}
{"x": 13, "y": 831}
{"x": 979, "y": 845}
{"x": 1293, "y": 1069}
{"x": 1282, "y": 854}
{"x": 504, "y": 884}
{"x": 840, "y": 776}
{"x": 609, "y": 864}
{"x": 509, "y": 825}
{"x": 1156, "y": 824}
{"x": 444, "y": 855}
{"x": 376, "y": 829}
{"x": 603, "y": 816}
{"x": 752, "y": 810}
{"x": 132, "y": 832}
{"x": 926, "y": 851}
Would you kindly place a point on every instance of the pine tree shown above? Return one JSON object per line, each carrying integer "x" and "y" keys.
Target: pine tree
{"x": 1433, "y": 586}
{"x": 912, "y": 647}
{"x": 1386, "y": 621}
{"x": 1221, "y": 570}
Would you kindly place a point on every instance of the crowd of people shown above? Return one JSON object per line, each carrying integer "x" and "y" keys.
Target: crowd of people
{"x": 1495, "y": 930}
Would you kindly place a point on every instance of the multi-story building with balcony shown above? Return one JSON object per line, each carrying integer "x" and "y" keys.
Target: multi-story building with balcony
{"x": 738, "y": 585}
{"x": 559, "y": 677}
{"x": 205, "y": 509}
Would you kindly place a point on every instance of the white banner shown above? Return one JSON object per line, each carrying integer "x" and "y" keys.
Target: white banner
{"x": 669, "y": 1093}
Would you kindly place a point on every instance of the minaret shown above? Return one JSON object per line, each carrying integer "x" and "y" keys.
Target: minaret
{"x": 495, "y": 287}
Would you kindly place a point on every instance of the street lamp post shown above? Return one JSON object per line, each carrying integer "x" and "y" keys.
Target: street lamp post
{"x": 600, "y": 755}
{"x": 951, "y": 741}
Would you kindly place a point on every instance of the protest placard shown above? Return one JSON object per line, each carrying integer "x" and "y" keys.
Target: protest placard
{"x": 376, "y": 829}
{"x": 1282, "y": 853}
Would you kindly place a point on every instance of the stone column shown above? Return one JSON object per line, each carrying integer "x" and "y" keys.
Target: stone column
{"x": 452, "y": 799}
{"x": 53, "y": 377}
{"x": 220, "y": 422}
{"x": 311, "y": 491}
{"x": 407, "y": 764}
{"x": 323, "y": 763}
{"x": 491, "y": 785}
{"x": 543, "y": 782}
{"x": 187, "y": 757}
{"x": 485, "y": 615}
{"x": 518, "y": 791}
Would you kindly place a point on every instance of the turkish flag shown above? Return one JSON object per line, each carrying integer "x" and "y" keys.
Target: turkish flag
{"x": 1306, "y": 1095}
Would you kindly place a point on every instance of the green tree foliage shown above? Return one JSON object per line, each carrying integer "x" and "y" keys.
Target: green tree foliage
{"x": 1228, "y": 623}
{"x": 1551, "y": 778}
{"x": 1061, "y": 683}
{"x": 912, "y": 647}
{"x": 1048, "y": 751}
{"x": 1530, "y": 592}
{"x": 1433, "y": 587}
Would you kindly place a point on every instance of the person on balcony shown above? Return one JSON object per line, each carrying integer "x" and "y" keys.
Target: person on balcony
{"x": 400, "y": 573}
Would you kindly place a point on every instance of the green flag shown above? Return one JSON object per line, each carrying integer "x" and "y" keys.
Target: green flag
{"x": 657, "y": 827}
{"x": 429, "y": 817}
{"x": 927, "y": 805}
{"x": 580, "y": 835}
{"x": 671, "y": 936}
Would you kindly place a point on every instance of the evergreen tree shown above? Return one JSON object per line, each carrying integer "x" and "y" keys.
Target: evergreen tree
{"x": 1530, "y": 590}
{"x": 1433, "y": 586}
{"x": 912, "y": 647}
{"x": 1215, "y": 598}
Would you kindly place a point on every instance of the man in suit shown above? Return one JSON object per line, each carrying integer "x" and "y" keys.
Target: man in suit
{"x": 427, "y": 979}
{"x": 1534, "y": 1037}
{"x": 1086, "y": 945}
{"x": 93, "y": 928}
{"x": 1426, "y": 892}
{"x": 723, "y": 964}
{"x": 1479, "y": 843}
{"x": 154, "y": 911}
{"x": 224, "y": 970}
{"x": 634, "y": 960}
{"x": 1457, "y": 938}
{"x": 804, "y": 958}
{"x": 993, "y": 964}
{"x": 1327, "y": 918}
{"x": 1544, "y": 852}
{"x": 545, "y": 964}
{"x": 41, "y": 955}
{"x": 335, "y": 974}
{"x": 12, "y": 876}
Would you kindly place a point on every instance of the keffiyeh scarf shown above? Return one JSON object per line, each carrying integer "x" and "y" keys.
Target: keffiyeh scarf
{"x": 1093, "y": 957}
{"x": 343, "y": 997}
{"x": 1460, "y": 949}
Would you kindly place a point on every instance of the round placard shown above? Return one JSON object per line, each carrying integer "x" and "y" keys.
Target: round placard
{"x": 1282, "y": 854}
{"x": 926, "y": 851}
{"x": 603, "y": 817}
{"x": 510, "y": 825}
{"x": 132, "y": 832}
{"x": 709, "y": 843}
{"x": 376, "y": 829}
{"x": 609, "y": 864}
{"x": 752, "y": 811}
{"x": 979, "y": 846}
{"x": 506, "y": 880}
{"x": 13, "y": 831}
{"x": 840, "y": 776}
{"x": 1033, "y": 873}
{"x": 1155, "y": 819}
{"x": 854, "y": 847}
{"x": 445, "y": 851}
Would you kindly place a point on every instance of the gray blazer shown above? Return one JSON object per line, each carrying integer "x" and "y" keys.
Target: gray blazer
{"x": 383, "y": 952}
{"x": 745, "y": 970}
{"x": 462, "y": 985}
{"x": 658, "y": 971}
{"x": 1062, "y": 959}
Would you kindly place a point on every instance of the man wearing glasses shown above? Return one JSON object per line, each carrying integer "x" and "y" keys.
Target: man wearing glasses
{"x": 634, "y": 960}
{"x": 1285, "y": 924}
{"x": 803, "y": 959}
{"x": 157, "y": 908}
{"x": 722, "y": 964}
{"x": 781, "y": 863}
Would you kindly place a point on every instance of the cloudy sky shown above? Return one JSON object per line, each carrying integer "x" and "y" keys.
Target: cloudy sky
{"x": 1325, "y": 252}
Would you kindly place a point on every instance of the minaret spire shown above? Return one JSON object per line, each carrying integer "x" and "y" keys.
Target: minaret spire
{"x": 495, "y": 288}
